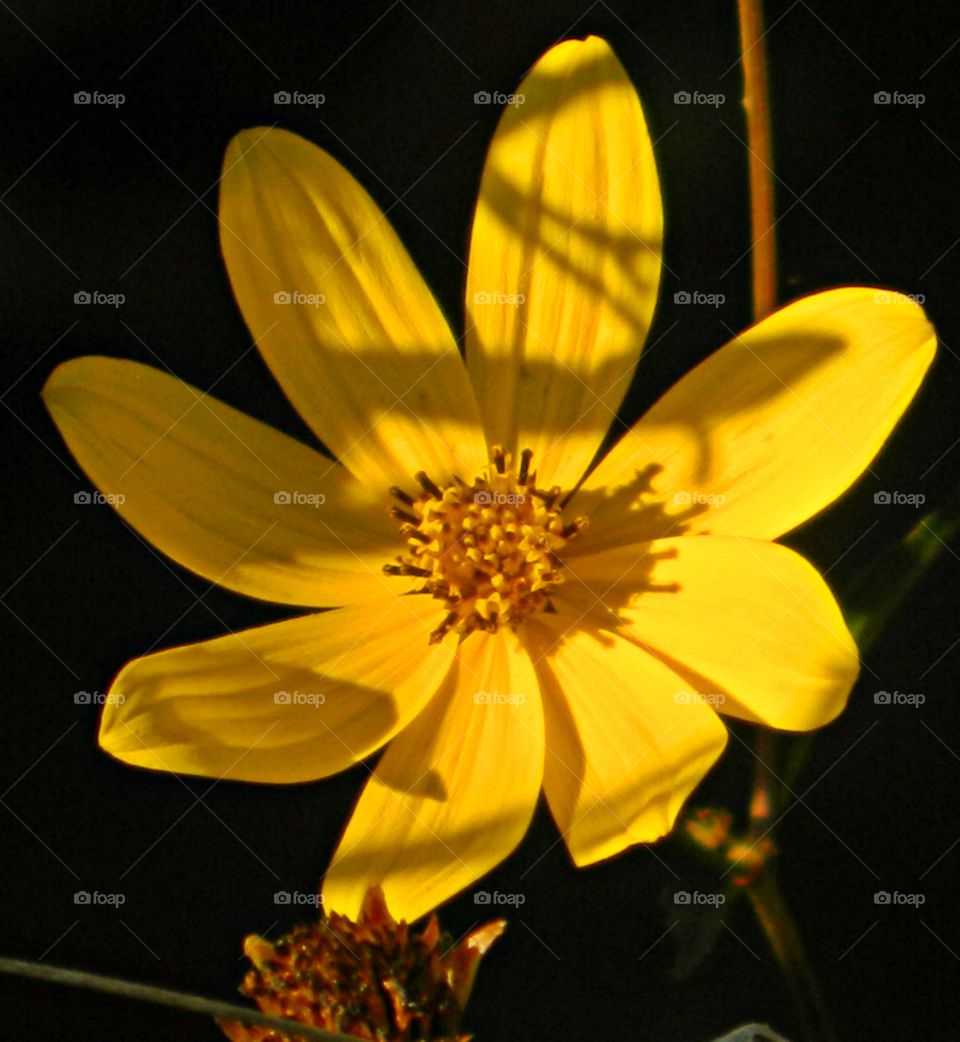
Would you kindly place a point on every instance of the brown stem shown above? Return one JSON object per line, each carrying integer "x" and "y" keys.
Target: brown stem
{"x": 765, "y": 896}
{"x": 756, "y": 104}
{"x": 763, "y": 799}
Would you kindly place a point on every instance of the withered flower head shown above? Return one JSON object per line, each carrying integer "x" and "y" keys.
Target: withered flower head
{"x": 374, "y": 979}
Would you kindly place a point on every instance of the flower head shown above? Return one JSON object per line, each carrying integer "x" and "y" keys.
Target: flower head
{"x": 373, "y": 979}
{"x": 510, "y": 613}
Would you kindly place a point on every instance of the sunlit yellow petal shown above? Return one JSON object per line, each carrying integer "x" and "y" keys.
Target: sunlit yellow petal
{"x": 564, "y": 259}
{"x": 223, "y": 494}
{"x": 746, "y": 620}
{"x": 454, "y": 792}
{"x": 341, "y": 314}
{"x": 288, "y": 702}
{"x": 775, "y": 425}
{"x": 623, "y": 750}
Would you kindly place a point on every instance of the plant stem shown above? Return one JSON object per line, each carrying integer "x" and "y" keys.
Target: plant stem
{"x": 763, "y": 801}
{"x": 164, "y": 997}
{"x": 765, "y": 897}
{"x": 784, "y": 938}
{"x": 756, "y": 104}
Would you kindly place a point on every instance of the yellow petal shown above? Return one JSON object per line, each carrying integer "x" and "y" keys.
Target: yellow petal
{"x": 341, "y": 315}
{"x": 775, "y": 425}
{"x": 751, "y": 624}
{"x": 222, "y": 494}
{"x": 564, "y": 259}
{"x": 623, "y": 753}
{"x": 288, "y": 702}
{"x": 454, "y": 792}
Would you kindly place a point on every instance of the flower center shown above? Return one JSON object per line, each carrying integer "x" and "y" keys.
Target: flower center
{"x": 488, "y": 550}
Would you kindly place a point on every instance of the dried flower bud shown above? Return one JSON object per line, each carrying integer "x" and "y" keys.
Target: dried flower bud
{"x": 373, "y": 979}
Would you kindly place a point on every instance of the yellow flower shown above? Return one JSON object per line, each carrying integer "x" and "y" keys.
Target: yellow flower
{"x": 510, "y": 617}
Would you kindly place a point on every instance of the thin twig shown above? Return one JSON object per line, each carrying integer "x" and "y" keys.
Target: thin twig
{"x": 164, "y": 997}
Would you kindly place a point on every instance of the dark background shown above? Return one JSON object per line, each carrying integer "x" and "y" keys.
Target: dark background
{"x": 122, "y": 200}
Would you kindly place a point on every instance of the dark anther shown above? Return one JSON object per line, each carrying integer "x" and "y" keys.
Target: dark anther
{"x": 568, "y": 531}
{"x": 427, "y": 485}
{"x": 406, "y": 569}
{"x": 397, "y": 492}
{"x": 402, "y": 515}
{"x": 444, "y": 628}
{"x": 525, "y": 458}
{"x": 415, "y": 533}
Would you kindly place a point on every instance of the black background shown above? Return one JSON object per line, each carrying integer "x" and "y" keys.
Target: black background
{"x": 100, "y": 199}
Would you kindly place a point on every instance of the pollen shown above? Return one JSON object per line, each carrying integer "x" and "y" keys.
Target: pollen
{"x": 490, "y": 550}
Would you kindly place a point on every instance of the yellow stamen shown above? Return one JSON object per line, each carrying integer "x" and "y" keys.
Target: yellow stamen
{"x": 489, "y": 551}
